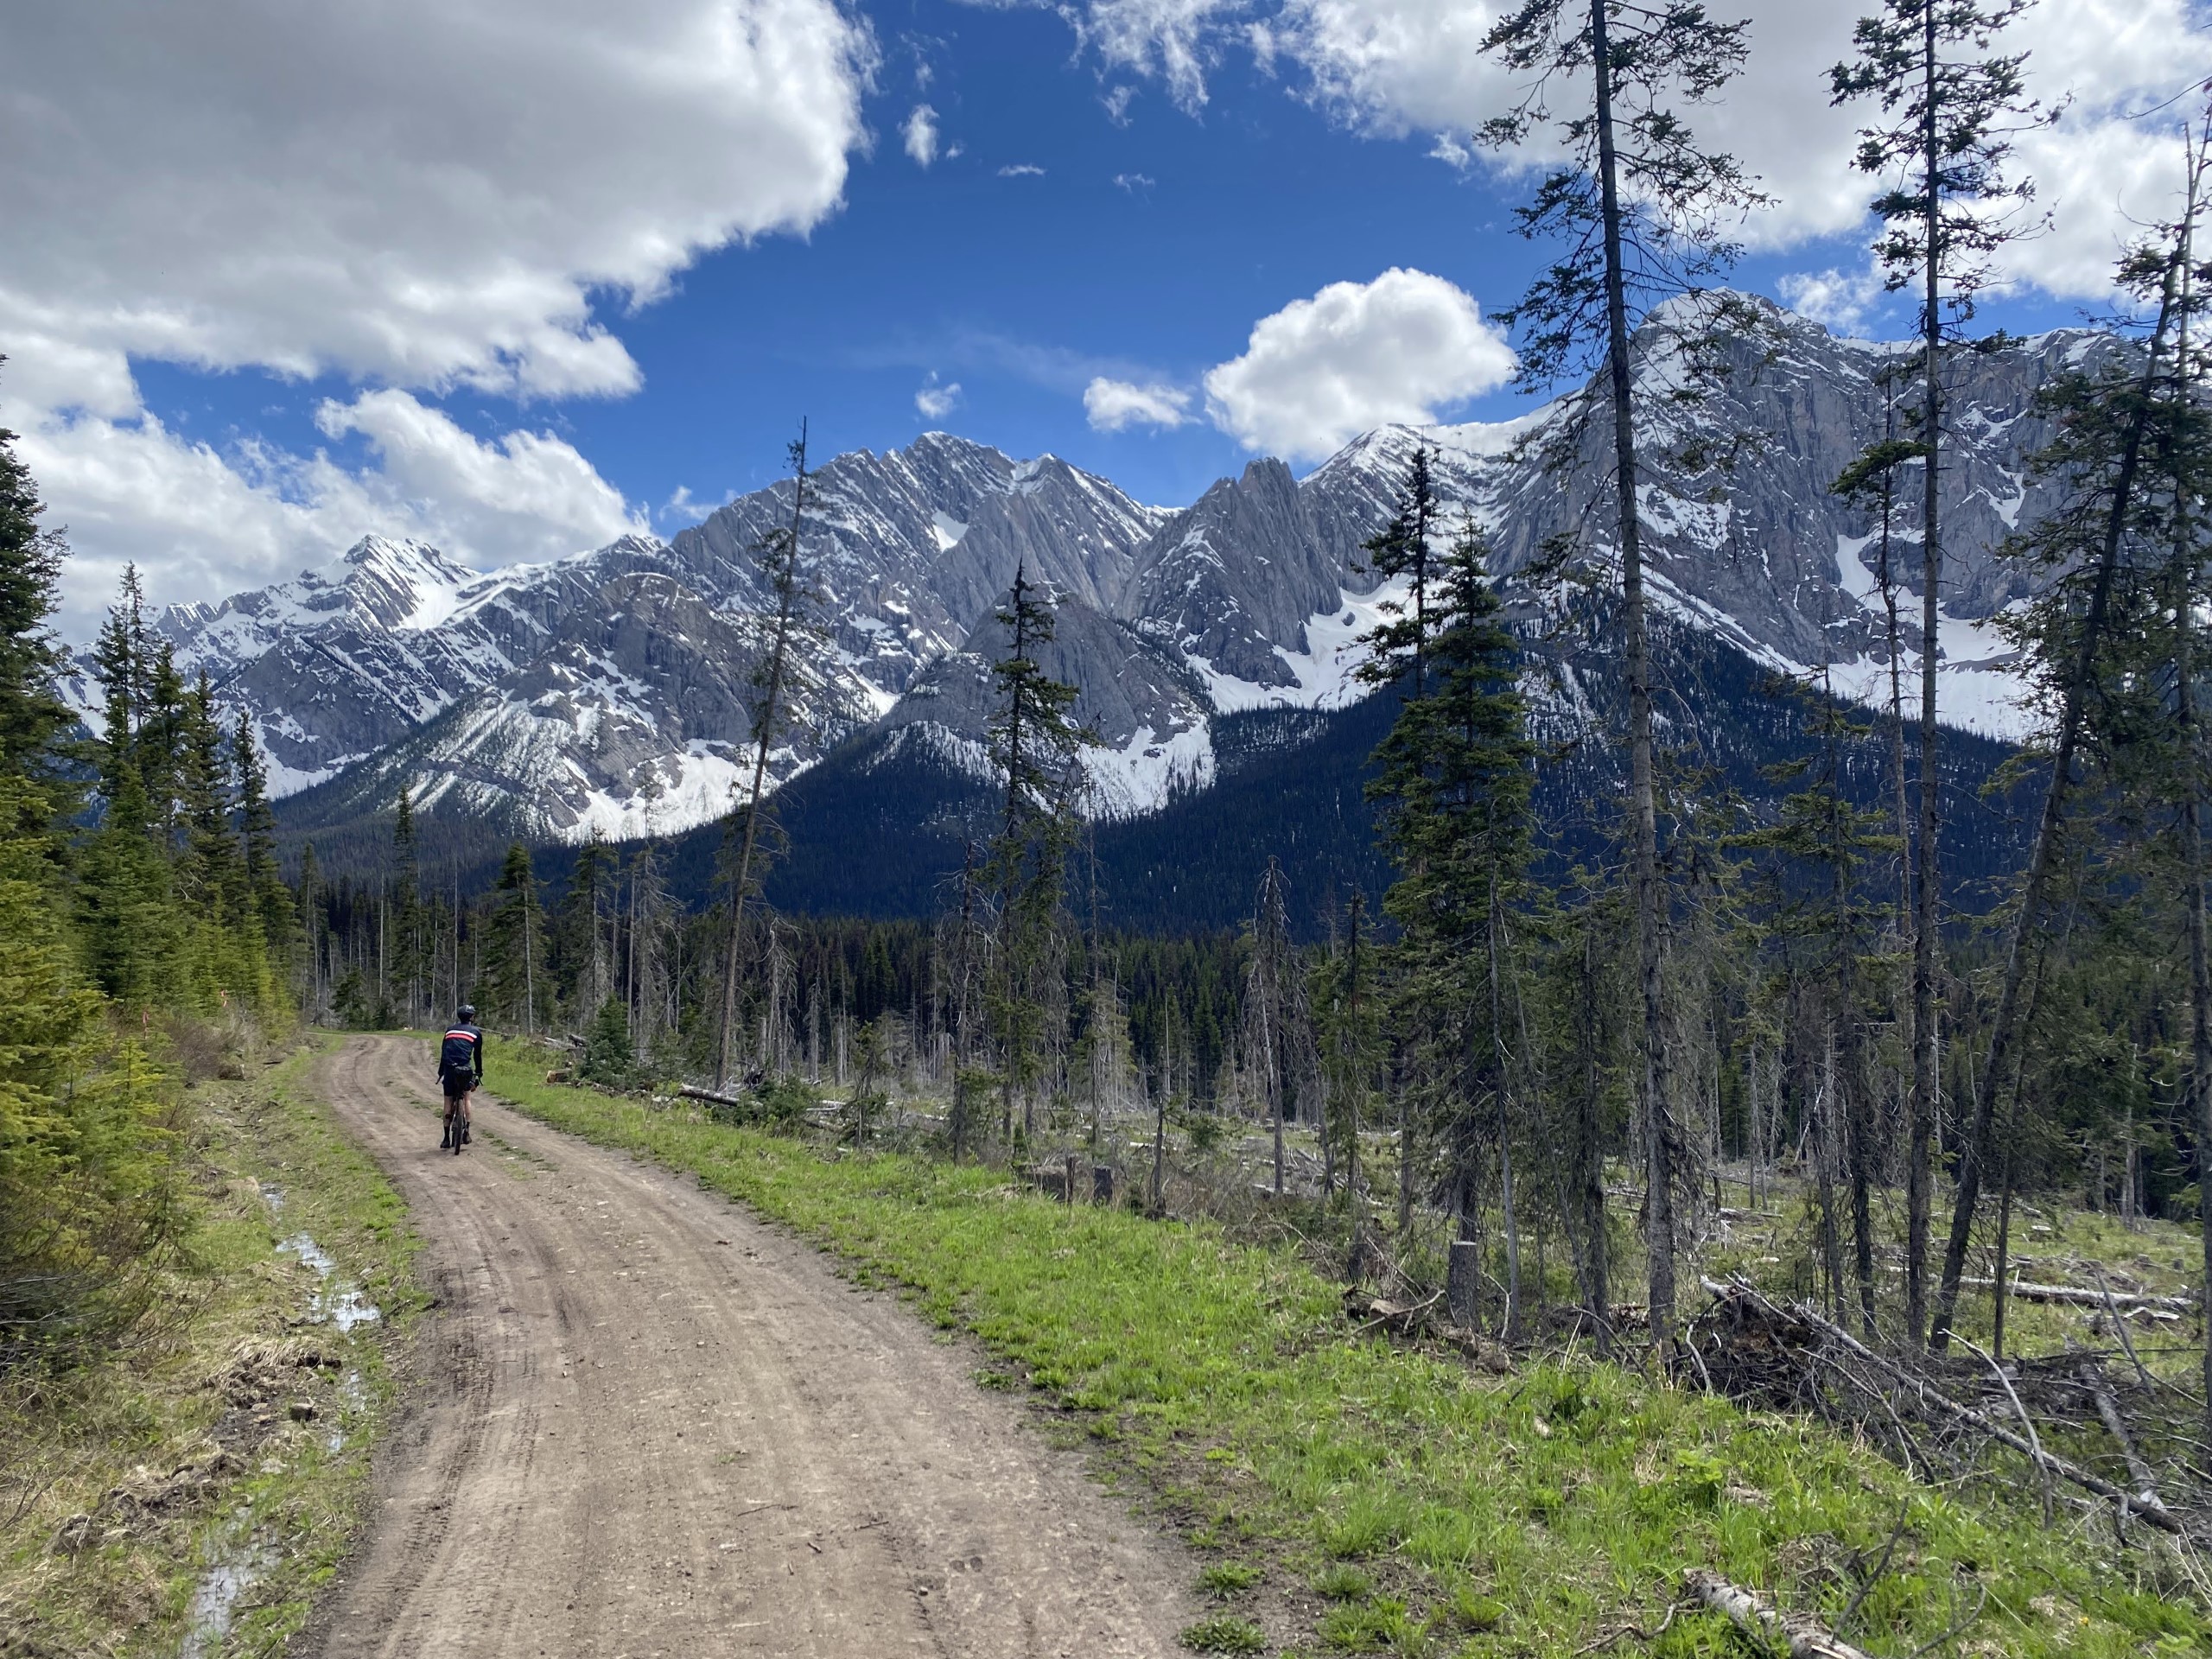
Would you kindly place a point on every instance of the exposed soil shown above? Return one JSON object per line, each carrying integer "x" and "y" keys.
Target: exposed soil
{"x": 651, "y": 1425}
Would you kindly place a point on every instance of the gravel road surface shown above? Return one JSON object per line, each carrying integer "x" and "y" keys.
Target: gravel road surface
{"x": 649, "y": 1424}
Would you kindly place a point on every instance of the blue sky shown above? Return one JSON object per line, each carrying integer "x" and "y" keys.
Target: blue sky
{"x": 633, "y": 292}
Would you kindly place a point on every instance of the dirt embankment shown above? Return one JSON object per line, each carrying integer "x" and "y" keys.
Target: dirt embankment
{"x": 653, "y": 1426}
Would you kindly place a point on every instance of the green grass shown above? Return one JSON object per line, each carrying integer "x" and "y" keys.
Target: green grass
{"x": 286, "y": 1493}
{"x": 1526, "y": 1515}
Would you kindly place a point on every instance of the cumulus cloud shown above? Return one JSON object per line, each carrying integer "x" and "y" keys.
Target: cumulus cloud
{"x": 415, "y": 192}
{"x": 1116, "y": 405}
{"x": 1840, "y": 299}
{"x": 1022, "y": 170}
{"x": 1396, "y": 67}
{"x": 920, "y": 132}
{"x": 934, "y": 402}
{"x": 1357, "y": 355}
{"x": 201, "y": 524}
{"x": 413, "y": 195}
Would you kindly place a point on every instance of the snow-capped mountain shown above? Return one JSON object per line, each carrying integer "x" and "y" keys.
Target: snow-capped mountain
{"x": 609, "y": 691}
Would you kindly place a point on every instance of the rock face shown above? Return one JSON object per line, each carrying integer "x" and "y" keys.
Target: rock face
{"x": 611, "y": 691}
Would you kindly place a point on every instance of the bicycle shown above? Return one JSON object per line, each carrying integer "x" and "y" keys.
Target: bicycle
{"x": 456, "y": 1124}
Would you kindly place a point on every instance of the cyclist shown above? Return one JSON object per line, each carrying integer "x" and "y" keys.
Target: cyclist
{"x": 461, "y": 1068}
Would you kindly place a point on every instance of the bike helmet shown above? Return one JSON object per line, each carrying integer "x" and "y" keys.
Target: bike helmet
{"x": 468, "y": 1013}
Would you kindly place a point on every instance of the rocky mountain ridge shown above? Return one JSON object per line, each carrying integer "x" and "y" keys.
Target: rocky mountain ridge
{"x": 608, "y": 692}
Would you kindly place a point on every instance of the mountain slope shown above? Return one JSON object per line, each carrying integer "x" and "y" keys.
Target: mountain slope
{"x": 608, "y": 692}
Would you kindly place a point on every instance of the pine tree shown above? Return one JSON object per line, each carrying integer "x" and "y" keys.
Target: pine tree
{"x": 32, "y": 717}
{"x": 270, "y": 901}
{"x": 1348, "y": 1019}
{"x": 779, "y": 555}
{"x": 406, "y": 971}
{"x": 1279, "y": 1033}
{"x": 211, "y": 878}
{"x": 1454, "y": 777}
{"x": 1943, "y": 154}
{"x": 1035, "y": 744}
{"x": 514, "y": 978}
{"x": 1401, "y": 550}
{"x": 2111, "y": 428}
{"x": 1639, "y": 208}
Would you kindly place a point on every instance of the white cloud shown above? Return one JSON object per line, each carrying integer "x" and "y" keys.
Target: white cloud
{"x": 934, "y": 402}
{"x": 412, "y": 194}
{"x": 1840, "y": 299}
{"x": 919, "y": 130}
{"x": 202, "y": 524}
{"x": 1022, "y": 170}
{"x": 413, "y": 191}
{"x": 1357, "y": 355}
{"x": 1116, "y": 405}
{"x": 1401, "y": 67}
{"x": 1134, "y": 182}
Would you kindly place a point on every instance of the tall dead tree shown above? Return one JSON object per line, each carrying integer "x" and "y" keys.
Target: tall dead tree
{"x": 779, "y": 562}
{"x": 1641, "y": 211}
{"x": 1952, "y": 108}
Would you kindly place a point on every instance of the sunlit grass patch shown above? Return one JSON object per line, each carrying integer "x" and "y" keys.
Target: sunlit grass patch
{"x": 1530, "y": 1512}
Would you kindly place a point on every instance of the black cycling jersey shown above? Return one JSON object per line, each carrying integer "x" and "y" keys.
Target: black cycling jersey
{"x": 461, "y": 1058}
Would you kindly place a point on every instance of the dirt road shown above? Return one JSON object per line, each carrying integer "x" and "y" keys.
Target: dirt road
{"x": 655, "y": 1426}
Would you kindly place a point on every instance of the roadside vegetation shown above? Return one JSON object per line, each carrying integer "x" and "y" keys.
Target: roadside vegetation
{"x": 192, "y": 1487}
{"x": 185, "y": 1399}
{"x": 1356, "y": 1493}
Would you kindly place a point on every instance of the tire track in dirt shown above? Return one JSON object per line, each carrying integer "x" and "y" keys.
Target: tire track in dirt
{"x": 654, "y": 1426}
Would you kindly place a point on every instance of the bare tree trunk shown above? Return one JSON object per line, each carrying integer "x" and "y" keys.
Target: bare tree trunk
{"x": 1919, "y": 1195}
{"x": 787, "y": 600}
{"x": 1651, "y": 909}
{"x": 2023, "y": 946}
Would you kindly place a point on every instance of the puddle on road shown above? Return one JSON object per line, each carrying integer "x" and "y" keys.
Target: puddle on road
{"x": 214, "y": 1604}
{"x": 342, "y": 1305}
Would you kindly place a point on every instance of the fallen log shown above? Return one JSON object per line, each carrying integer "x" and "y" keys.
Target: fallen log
{"x": 1803, "y": 1637}
{"x": 688, "y": 1092}
{"x": 1926, "y": 1392}
{"x": 2077, "y": 1297}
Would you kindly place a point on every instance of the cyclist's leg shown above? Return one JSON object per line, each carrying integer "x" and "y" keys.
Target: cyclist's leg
{"x": 465, "y": 1099}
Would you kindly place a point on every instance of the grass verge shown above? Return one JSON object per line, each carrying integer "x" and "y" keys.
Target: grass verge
{"x": 1412, "y": 1506}
{"x": 192, "y": 1494}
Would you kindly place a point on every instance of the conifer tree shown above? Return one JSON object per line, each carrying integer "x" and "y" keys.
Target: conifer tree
{"x": 1639, "y": 208}
{"x": 1454, "y": 776}
{"x": 210, "y": 875}
{"x": 264, "y": 880}
{"x": 2112, "y": 427}
{"x": 409, "y": 971}
{"x": 514, "y": 980}
{"x": 1402, "y": 548}
{"x": 32, "y": 717}
{"x": 779, "y": 555}
{"x": 1035, "y": 744}
{"x": 1279, "y": 1038}
{"x": 1348, "y": 1020}
{"x": 1952, "y": 107}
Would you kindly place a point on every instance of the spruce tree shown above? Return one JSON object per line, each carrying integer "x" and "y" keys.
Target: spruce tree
{"x": 1640, "y": 210}
{"x": 1952, "y": 107}
{"x": 1035, "y": 744}
{"x": 1455, "y": 777}
{"x": 407, "y": 968}
{"x": 32, "y": 717}
{"x": 270, "y": 901}
{"x": 514, "y": 978}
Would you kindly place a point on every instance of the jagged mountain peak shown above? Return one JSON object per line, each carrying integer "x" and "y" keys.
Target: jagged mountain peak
{"x": 1254, "y": 594}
